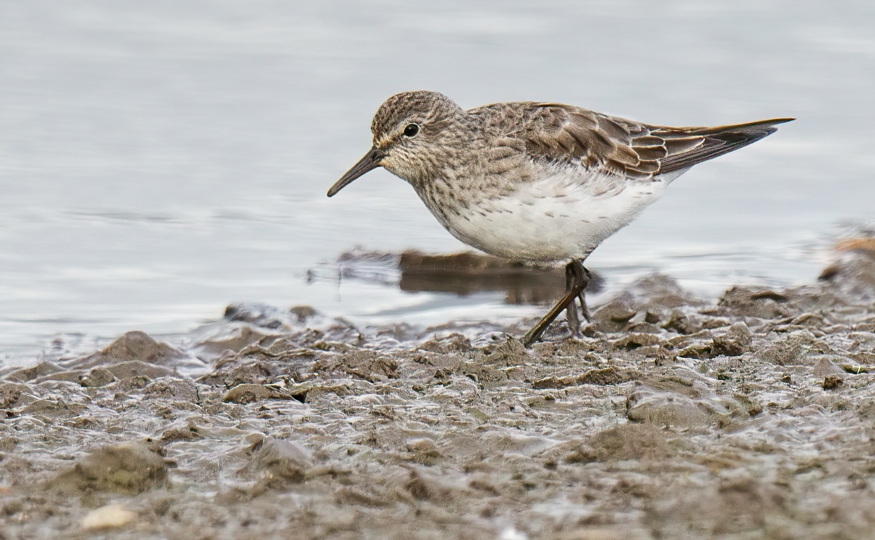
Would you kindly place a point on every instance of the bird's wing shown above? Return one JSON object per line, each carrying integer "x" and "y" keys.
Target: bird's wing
{"x": 563, "y": 134}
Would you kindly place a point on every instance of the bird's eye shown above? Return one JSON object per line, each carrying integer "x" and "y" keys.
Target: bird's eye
{"x": 411, "y": 130}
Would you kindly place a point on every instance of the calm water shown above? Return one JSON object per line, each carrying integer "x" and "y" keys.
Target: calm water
{"x": 159, "y": 160}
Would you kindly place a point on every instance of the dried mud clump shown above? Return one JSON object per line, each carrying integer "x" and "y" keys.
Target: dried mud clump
{"x": 124, "y": 468}
{"x": 750, "y": 417}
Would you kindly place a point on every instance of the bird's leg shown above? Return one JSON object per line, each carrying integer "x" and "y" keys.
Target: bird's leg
{"x": 579, "y": 278}
{"x": 582, "y": 296}
{"x": 571, "y": 310}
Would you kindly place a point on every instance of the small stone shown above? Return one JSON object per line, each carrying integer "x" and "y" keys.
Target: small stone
{"x": 108, "y": 517}
{"x": 10, "y": 393}
{"x": 651, "y": 317}
{"x": 681, "y": 323}
{"x": 247, "y": 393}
{"x": 634, "y": 341}
{"x": 735, "y": 342}
{"x": 832, "y": 382}
{"x": 97, "y": 377}
{"x": 613, "y": 316}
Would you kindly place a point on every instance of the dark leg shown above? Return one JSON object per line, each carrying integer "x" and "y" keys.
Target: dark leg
{"x": 582, "y": 298}
{"x": 571, "y": 310}
{"x": 579, "y": 277}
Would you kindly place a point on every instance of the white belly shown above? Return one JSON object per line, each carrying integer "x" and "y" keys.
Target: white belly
{"x": 554, "y": 219}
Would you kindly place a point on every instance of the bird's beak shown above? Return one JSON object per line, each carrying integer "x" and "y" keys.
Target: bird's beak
{"x": 371, "y": 161}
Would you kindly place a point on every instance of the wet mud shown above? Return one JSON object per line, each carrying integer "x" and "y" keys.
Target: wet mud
{"x": 673, "y": 417}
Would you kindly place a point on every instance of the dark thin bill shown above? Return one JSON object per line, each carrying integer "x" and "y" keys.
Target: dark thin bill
{"x": 369, "y": 162}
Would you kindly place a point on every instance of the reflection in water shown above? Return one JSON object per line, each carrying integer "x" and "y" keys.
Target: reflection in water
{"x": 469, "y": 273}
{"x": 463, "y": 274}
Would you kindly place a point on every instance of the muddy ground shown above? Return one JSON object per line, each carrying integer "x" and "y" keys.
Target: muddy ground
{"x": 752, "y": 417}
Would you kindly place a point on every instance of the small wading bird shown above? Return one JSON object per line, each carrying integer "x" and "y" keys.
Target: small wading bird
{"x": 537, "y": 181}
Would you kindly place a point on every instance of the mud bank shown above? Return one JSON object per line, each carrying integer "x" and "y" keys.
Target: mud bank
{"x": 752, "y": 417}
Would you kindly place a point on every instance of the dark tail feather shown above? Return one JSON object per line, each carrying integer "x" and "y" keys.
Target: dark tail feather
{"x": 716, "y": 141}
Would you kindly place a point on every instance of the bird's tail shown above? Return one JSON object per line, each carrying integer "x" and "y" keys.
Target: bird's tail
{"x": 694, "y": 145}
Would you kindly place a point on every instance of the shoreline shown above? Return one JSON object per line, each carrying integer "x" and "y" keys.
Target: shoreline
{"x": 747, "y": 417}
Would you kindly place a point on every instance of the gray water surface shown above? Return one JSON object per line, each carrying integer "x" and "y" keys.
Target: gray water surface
{"x": 160, "y": 160}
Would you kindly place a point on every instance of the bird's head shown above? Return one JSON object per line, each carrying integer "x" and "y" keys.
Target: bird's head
{"x": 409, "y": 130}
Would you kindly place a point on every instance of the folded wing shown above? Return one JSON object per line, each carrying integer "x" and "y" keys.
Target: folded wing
{"x": 563, "y": 134}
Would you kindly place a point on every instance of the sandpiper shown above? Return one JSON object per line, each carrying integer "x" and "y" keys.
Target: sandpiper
{"x": 537, "y": 181}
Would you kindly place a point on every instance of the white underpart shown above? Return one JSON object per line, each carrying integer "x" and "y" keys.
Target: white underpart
{"x": 557, "y": 218}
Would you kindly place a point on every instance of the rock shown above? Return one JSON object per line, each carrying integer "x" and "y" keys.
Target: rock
{"x": 831, "y": 382}
{"x": 137, "y": 368}
{"x": 282, "y": 460}
{"x": 432, "y": 488}
{"x": 140, "y": 346}
{"x": 613, "y": 316}
{"x": 609, "y": 375}
{"x": 365, "y": 364}
{"x": 658, "y": 292}
{"x": 700, "y": 351}
{"x": 825, "y": 367}
{"x": 302, "y": 313}
{"x": 97, "y": 377}
{"x": 510, "y": 353}
{"x": 53, "y": 408}
{"x": 8, "y": 444}
{"x": 789, "y": 351}
{"x": 171, "y": 387}
{"x": 755, "y": 302}
{"x": 682, "y": 323}
{"x": 133, "y": 346}
{"x": 10, "y": 393}
{"x": 123, "y": 468}
{"x": 853, "y": 275}
{"x": 671, "y": 409}
{"x": 248, "y": 393}
{"x": 634, "y": 341}
{"x": 359, "y": 497}
{"x": 30, "y": 373}
{"x": 424, "y": 450}
{"x": 72, "y": 376}
{"x": 111, "y": 516}
{"x": 623, "y": 442}
{"x": 234, "y": 339}
{"x": 735, "y": 342}
{"x": 262, "y": 315}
